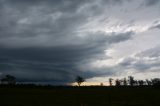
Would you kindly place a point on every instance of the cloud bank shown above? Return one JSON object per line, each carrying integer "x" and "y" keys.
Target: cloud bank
{"x": 53, "y": 41}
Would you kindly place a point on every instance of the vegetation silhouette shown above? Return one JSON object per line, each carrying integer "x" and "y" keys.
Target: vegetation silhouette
{"x": 110, "y": 81}
{"x": 79, "y": 80}
{"x": 8, "y": 79}
{"x": 131, "y": 80}
{"x": 122, "y": 92}
{"x": 11, "y": 80}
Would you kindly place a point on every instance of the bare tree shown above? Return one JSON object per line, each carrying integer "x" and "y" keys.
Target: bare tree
{"x": 131, "y": 80}
{"x": 9, "y": 79}
{"x": 148, "y": 82}
{"x": 110, "y": 81}
{"x": 79, "y": 80}
{"x": 118, "y": 82}
{"x": 124, "y": 82}
{"x": 140, "y": 82}
{"x": 156, "y": 81}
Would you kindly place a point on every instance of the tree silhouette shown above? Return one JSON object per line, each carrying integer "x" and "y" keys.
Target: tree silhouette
{"x": 79, "y": 80}
{"x": 148, "y": 82}
{"x": 140, "y": 82}
{"x": 9, "y": 79}
{"x": 110, "y": 81}
{"x": 156, "y": 81}
{"x": 131, "y": 80}
{"x": 124, "y": 82}
{"x": 135, "y": 82}
{"x": 118, "y": 82}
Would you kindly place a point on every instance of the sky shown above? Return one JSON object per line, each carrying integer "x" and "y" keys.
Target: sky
{"x": 53, "y": 41}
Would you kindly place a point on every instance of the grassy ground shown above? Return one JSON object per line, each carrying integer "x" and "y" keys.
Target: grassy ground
{"x": 75, "y": 96}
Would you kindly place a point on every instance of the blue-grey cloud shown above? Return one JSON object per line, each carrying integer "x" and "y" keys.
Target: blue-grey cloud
{"x": 156, "y": 25}
{"x": 144, "y": 61}
{"x": 48, "y": 41}
{"x": 151, "y": 2}
{"x": 59, "y": 62}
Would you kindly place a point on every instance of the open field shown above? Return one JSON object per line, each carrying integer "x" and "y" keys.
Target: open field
{"x": 79, "y": 96}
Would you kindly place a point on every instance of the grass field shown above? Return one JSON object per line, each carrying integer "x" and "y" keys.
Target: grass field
{"x": 79, "y": 96}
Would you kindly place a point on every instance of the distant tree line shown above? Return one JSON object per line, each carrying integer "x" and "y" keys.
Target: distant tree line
{"x": 130, "y": 81}
{"x": 133, "y": 82}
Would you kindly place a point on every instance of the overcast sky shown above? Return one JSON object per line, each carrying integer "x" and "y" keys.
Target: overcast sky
{"x": 53, "y": 41}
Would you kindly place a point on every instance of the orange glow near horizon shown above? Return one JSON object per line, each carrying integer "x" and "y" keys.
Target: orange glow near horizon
{"x": 91, "y": 84}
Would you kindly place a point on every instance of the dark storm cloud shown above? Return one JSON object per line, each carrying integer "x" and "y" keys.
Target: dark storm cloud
{"x": 40, "y": 41}
{"x": 37, "y": 63}
{"x": 51, "y": 17}
{"x": 39, "y": 18}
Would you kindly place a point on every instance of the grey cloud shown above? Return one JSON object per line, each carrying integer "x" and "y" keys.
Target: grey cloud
{"x": 42, "y": 41}
{"x": 144, "y": 61}
{"x": 54, "y": 23}
{"x": 114, "y": 2}
{"x": 60, "y": 61}
{"x": 151, "y": 2}
{"x": 152, "y": 52}
{"x": 156, "y": 25}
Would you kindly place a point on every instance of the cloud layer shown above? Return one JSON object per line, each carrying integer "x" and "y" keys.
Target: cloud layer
{"x": 50, "y": 41}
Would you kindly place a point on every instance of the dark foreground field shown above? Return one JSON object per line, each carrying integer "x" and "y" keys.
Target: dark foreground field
{"x": 79, "y": 96}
